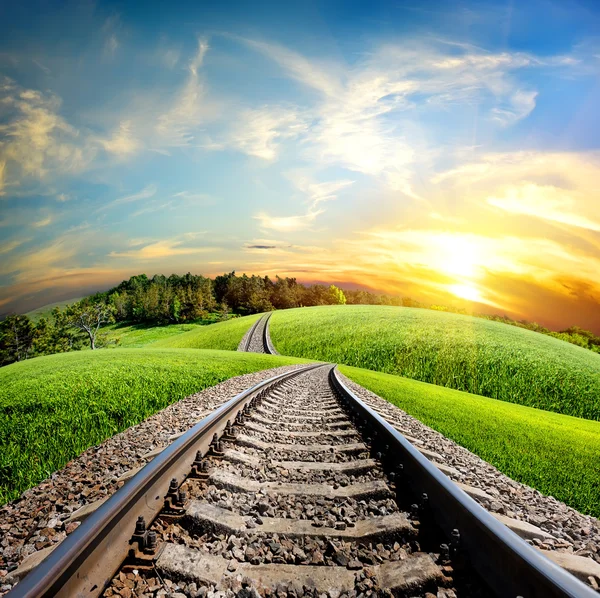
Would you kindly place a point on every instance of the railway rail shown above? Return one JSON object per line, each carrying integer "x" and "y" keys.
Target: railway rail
{"x": 295, "y": 486}
{"x": 258, "y": 339}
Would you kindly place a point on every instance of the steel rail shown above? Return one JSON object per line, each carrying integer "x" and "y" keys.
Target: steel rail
{"x": 85, "y": 562}
{"x": 268, "y": 345}
{"x": 510, "y": 566}
{"x": 251, "y": 334}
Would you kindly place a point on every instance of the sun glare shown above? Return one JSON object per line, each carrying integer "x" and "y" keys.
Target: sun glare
{"x": 465, "y": 291}
{"x": 459, "y": 257}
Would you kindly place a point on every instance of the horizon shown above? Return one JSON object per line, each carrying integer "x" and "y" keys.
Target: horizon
{"x": 446, "y": 154}
{"x": 455, "y": 306}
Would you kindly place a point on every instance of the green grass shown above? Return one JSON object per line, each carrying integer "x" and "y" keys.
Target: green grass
{"x": 53, "y": 408}
{"x": 46, "y": 310}
{"x": 557, "y": 454}
{"x": 461, "y": 352}
{"x": 134, "y": 336}
{"x": 223, "y": 335}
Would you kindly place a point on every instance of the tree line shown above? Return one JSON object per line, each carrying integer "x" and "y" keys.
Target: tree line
{"x": 158, "y": 300}
{"x": 161, "y": 300}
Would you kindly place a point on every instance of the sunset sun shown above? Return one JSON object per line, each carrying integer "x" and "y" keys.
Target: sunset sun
{"x": 466, "y": 291}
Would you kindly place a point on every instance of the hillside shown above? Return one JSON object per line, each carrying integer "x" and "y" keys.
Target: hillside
{"x": 547, "y": 451}
{"x": 222, "y": 335}
{"x": 461, "y": 352}
{"x": 53, "y": 408}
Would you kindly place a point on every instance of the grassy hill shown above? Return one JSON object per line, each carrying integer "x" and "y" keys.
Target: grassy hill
{"x": 556, "y": 454}
{"x": 53, "y": 408}
{"x": 461, "y": 352}
{"x": 223, "y": 335}
{"x": 135, "y": 336}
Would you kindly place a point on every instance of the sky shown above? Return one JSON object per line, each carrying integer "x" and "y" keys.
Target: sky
{"x": 446, "y": 151}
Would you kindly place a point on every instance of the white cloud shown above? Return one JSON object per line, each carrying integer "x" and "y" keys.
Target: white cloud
{"x": 43, "y": 222}
{"x": 261, "y": 131}
{"x": 36, "y": 140}
{"x": 176, "y": 127}
{"x": 366, "y": 115}
{"x": 161, "y": 249}
{"x": 320, "y": 77}
{"x": 122, "y": 142}
{"x": 318, "y": 192}
{"x": 546, "y": 202}
{"x": 146, "y": 193}
{"x": 520, "y": 105}
{"x": 287, "y": 223}
{"x": 156, "y": 207}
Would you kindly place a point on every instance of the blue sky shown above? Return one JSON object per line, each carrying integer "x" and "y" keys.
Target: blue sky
{"x": 447, "y": 151}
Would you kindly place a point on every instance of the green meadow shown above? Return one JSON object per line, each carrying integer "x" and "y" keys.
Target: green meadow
{"x": 456, "y": 351}
{"x": 53, "y": 408}
{"x": 223, "y": 335}
{"x": 557, "y": 454}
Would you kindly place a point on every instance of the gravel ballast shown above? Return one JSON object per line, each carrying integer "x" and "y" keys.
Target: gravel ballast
{"x": 572, "y": 532}
{"x": 36, "y": 520}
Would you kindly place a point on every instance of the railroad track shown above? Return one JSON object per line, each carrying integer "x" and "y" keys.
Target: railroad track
{"x": 258, "y": 339}
{"x": 294, "y": 487}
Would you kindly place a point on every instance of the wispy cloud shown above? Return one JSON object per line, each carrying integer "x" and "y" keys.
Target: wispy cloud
{"x": 324, "y": 78}
{"x": 38, "y": 261}
{"x": 111, "y": 41}
{"x": 287, "y": 223}
{"x": 169, "y": 57}
{"x": 546, "y": 202}
{"x": 41, "y": 66}
{"x": 10, "y": 246}
{"x": 147, "y": 192}
{"x": 318, "y": 192}
{"x": 366, "y": 116}
{"x": 262, "y": 130}
{"x": 2, "y": 169}
{"x": 161, "y": 249}
{"x": 38, "y": 141}
{"x": 556, "y": 187}
{"x": 122, "y": 142}
{"x": 520, "y": 105}
{"x": 157, "y": 207}
{"x": 110, "y": 45}
{"x": 43, "y": 222}
{"x": 176, "y": 126}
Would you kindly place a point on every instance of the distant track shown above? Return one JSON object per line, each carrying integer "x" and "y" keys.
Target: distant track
{"x": 257, "y": 340}
{"x": 295, "y": 485}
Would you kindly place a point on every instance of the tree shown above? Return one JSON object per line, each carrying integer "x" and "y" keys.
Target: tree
{"x": 88, "y": 318}
{"x": 336, "y": 296}
{"x": 17, "y": 334}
